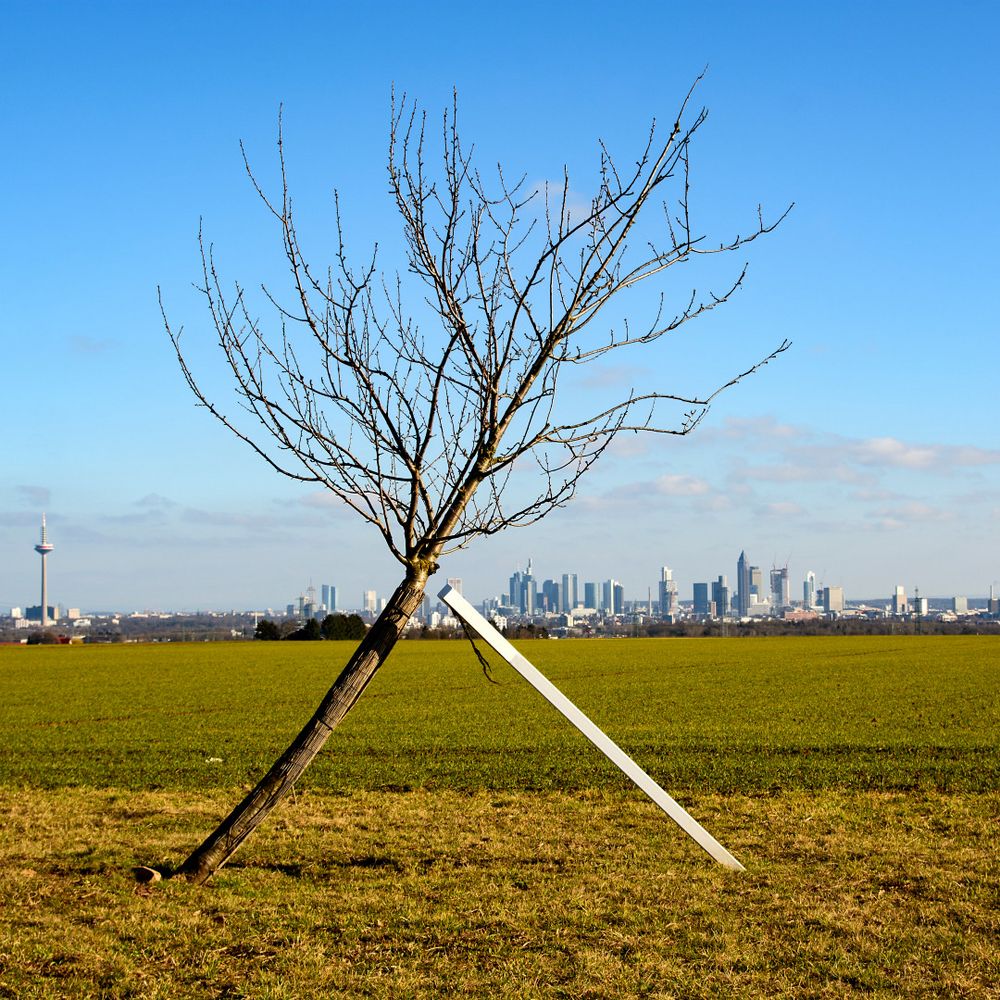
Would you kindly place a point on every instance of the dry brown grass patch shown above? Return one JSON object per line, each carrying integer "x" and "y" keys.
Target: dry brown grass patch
{"x": 503, "y": 895}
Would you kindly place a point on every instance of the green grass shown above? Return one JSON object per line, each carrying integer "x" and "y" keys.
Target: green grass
{"x": 458, "y": 838}
{"x": 709, "y": 714}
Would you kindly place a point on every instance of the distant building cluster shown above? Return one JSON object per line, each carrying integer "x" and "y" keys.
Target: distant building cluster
{"x": 565, "y": 604}
{"x": 431, "y": 614}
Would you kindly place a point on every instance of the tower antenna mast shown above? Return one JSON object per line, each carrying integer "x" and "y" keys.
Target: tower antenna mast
{"x": 43, "y": 548}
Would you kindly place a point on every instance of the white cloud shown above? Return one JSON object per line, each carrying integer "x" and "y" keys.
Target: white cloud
{"x": 611, "y": 377}
{"x": 765, "y": 429}
{"x": 912, "y": 511}
{"x": 719, "y": 502}
{"x": 782, "y": 508}
{"x": 322, "y": 499}
{"x": 801, "y": 465}
{"x": 874, "y": 495}
{"x": 156, "y": 501}
{"x": 891, "y": 452}
{"x": 673, "y": 485}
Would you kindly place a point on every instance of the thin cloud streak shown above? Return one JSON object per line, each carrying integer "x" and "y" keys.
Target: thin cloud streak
{"x": 34, "y": 496}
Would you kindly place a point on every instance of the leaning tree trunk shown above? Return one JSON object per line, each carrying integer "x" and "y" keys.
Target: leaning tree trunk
{"x": 220, "y": 846}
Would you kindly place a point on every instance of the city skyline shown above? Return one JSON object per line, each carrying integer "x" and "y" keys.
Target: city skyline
{"x": 564, "y": 591}
{"x": 867, "y": 452}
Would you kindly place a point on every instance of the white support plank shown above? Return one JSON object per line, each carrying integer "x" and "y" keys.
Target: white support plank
{"x": 595, "y": 734}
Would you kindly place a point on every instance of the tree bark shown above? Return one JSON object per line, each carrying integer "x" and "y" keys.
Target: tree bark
{"x": 220, "y": 846}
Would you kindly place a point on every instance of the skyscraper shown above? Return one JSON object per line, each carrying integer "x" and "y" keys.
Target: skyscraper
{"x": 523, "y": 591}
{"x": 781, "y": 596}
{"x": 570, "y": 596}
{"x": 515, "y": 591}
{"x": 529, "y": 592}
{"x": 667, "y": 592}
{"x": 833, "y": 600}
{"x": 899, "y": 601}
{"x": 43, "y": 548}
{"x": 809, "y": 590}
{"x": 742, "y": 586}
{"x": 720, "y": 596}
{"x": 590, "y": 596}
{"x": 700, "y": 595}
{"x": 455, "y": 582}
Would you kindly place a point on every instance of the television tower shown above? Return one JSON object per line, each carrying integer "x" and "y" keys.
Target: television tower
{"x": 43, "y": 548}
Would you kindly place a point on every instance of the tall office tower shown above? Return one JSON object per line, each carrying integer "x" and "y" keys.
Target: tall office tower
{"x": 551, "y": 596}
{"x": 310, "y": 600}
{"x": 781, "y": 596}
{"x": 590, "y": 596}
{"x": 332, "y": 606}
{"x": 524, "y": 591}
{"x": 809, "y": 590}
{"x": 833, "y": 599}
{"x": 302, "y": 605}
{"x": 617, "y": 598}
{"x": 43, "y": 548}
{"x": 570, "y": 591}
{"x": 960, "y": 605}
{"x": 899, "y": 601}
{"x": 370, "y": 601}
{"x": 325, "y": 595}
{"x": 700, "y": 594}
{"x": 720, "y": 596}
{"x": 667, "y": 592}
{"x": 455, "y": 582}
{"x": 529, "y": 601}
{"x": 756, "y": 584}
{"x": 742, "y": 586}
{"x": 515, "y": 591}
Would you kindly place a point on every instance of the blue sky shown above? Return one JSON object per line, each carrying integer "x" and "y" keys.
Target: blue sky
{"x": 869, "y": 453}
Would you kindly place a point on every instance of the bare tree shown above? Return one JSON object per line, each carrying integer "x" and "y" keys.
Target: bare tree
{"x": 419, "y": 433}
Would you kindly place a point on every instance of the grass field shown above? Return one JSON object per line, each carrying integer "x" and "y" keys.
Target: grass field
{"x": 457, "y": 838}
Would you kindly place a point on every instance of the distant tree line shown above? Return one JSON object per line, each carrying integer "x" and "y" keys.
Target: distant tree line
{"x": 817, "y": 626}
{"x": 46, "y": 638}
{"x": 528, "y": 631}
{"x": 331, "y": 627}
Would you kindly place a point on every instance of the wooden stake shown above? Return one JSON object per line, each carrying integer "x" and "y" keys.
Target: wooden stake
{"x": 595, "y": 734}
